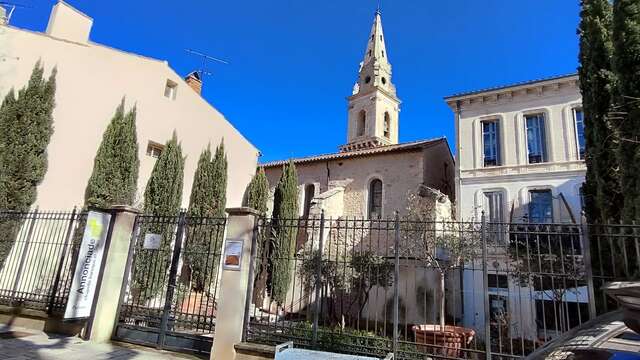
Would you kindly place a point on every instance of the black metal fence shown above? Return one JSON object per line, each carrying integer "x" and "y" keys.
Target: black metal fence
{"x": 37, "y": 255}
{"x": 170, "y": 298}
{"x": 346, "y": 285}
{"x": 371, "y": 287}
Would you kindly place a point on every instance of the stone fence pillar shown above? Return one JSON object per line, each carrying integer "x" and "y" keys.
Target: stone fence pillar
{"x": 236, "y": 265}
{"x": 101, "y": 325}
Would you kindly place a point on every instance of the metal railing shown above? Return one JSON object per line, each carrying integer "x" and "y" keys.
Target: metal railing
{"x": 370, "y": 287}
{"x": 37, "y": 255}
{"x": 170, "y": 297}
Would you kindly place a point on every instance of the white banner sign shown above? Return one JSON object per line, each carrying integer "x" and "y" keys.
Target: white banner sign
{"x": 85, "y": 277}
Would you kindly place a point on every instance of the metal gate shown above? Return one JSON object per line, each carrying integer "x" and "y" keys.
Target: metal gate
{"x": 170, "y": 297}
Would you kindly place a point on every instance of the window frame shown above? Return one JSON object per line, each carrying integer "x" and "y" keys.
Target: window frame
{"x": 371, "y": 197}
{"x": 361, "y": 123}
{"x": 386, "y": 125}
{"x": 498, "y": 147}
{"x": 172, "y": 88}
{"x": 580, "y": 155}
{"x": 542, "y": 130}
{"x": 531, "y": 204}
{"x": 153, "y": 147}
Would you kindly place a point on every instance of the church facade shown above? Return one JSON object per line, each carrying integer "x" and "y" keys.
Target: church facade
{"x": 372, "y": 174}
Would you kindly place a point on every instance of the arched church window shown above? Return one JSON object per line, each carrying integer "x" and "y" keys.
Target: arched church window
{"x": 309, "y": 193}
{"x": 384, "y": 80}
{"x": 362, "y": 117}
{"x": 375, "y": 199}
{"x": 387, "y": 125}
{"x": 367, "y": 79}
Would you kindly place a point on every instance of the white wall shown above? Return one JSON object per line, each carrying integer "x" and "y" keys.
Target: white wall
{"x": 514, "y": 177}
{"x": 563, "y": 173}
{"x": 92, "y": 79}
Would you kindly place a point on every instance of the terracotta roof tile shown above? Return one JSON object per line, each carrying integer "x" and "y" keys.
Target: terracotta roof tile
{"x": 358, "y": 153}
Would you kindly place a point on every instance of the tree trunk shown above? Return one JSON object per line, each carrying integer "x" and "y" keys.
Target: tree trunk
{"x": 441, "y": 300}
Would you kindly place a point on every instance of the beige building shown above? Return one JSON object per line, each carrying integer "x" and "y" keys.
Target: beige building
{"x": 92, "y": 79}
{"x": 520, "y": 159}
{"x": 372, "y": 174}
{"x": 520, "y": 143}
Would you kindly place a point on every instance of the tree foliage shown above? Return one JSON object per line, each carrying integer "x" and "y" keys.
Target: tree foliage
{"x": 26, "y": 126}
{"x": 441, "y": 245}
{"x": 626, "y": 41}
{"x": 114, "y": 179}
{"x": 206, "y": 211}
{"x": 597, "y": 81}
{"x": 283, "y": 243}
{"x": 257, "y": 193}
{"x": 220, "y": 180}
{"x": 162, "y": 198}
{"x": 256, "y": 197}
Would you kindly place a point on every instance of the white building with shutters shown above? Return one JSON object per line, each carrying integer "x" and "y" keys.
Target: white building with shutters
{"x": 520, "y": 151}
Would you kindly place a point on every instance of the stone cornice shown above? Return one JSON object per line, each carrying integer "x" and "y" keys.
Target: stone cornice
{"x": 523, "y": 172}
{"x": 509, "y": 93}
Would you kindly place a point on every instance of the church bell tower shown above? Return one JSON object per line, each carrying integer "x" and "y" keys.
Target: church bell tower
{"x": 373, "y": 105}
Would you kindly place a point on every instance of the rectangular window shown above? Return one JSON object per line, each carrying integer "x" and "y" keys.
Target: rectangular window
{"x": 536, "y": 138}
{"x": 491, "y": 143}
{"x": 170, "y": 89}
{"x": 578, "y": 117}
{"x": 493, "y": 206}
{"x": 154, "y": 149}
{"x": 375, "y": 199}
{"x": 540, "y": 206}
{"x": 497, "y": 281}
{"x": 493, "y": 210}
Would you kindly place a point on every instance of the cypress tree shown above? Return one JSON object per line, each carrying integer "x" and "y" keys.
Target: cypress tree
{"x": 162, "y": 197}
{"x": 257, "y": 192}
{"x": 256, "y": 197}
{"x": 220, "y": 181}
{"x": 208, "y": 200}
{"x": 26, "y": 126}
{"x": 201, "y": 204}
{"x": 285, "y": 214}
{"x": 626, "y": 41}
{"x": 114, "y": 179}
{"x": 601, "y": 190}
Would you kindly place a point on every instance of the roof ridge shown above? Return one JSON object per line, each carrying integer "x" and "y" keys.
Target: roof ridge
{"x": 510, "y": 85}
{"x": 347, "y": 154}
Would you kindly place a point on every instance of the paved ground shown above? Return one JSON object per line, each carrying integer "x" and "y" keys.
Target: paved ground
{"x": 25, "y": 344}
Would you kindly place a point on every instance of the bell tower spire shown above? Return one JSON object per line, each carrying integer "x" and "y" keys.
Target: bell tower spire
{"x": 373, "y": 106}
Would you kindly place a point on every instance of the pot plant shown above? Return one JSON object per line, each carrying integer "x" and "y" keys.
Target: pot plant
{"x": 443, "y": 246}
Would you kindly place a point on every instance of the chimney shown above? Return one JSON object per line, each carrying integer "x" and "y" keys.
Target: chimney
{"x": 194, "y": 81}
{"x": 68, "y": 23}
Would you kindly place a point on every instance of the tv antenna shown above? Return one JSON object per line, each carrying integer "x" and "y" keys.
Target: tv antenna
{"x": 202, "y": 71}
{"x": 11, "y": 6}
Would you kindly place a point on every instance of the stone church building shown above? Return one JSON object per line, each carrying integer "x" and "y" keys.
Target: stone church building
{"x": 372, "y": 174}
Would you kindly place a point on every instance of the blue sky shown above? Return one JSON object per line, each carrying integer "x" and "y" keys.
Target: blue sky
{"x": 293, "y": 62}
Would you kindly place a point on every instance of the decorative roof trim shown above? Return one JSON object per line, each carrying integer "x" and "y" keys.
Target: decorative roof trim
{"x": 408, "y": 146}
{"x": 523, "y": 84}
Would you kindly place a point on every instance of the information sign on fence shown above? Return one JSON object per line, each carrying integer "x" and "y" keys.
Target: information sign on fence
{"x": 87, "y": 269}
{"x": 232, "y": 255}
